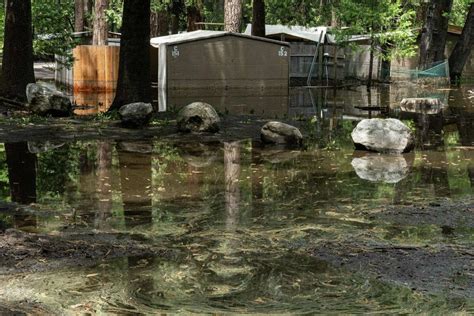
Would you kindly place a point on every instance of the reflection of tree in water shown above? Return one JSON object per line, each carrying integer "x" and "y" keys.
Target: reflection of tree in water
{"x": 465, "y": 125}
{"x": 135, "y": 178}
{"x": 429, "y": 135}
{"x": 103, "y": 184}
{"x": 22, "y": 178}
{"x": 232, "y": 191}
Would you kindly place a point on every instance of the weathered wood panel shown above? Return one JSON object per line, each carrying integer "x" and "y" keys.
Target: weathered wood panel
{"x": 95, "y": 68}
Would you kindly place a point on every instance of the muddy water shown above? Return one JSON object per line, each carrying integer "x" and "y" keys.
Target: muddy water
{"x": 242, "y": 220}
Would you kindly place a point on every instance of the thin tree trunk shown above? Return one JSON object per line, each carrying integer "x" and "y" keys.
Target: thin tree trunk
{"x": 371, "y": 65}
{"x": 232, "y": 15}
{"x": 258, "y": 20}
{"x": 434, "y": 33}
{"x": 463, "y": 48}
{"x": 79, "y": 15}
{"x": 159, "y": 23}
{"x": 100, "y": 30}
{"x": 133, "y": 83}
{"x": 194, "y": 16}
{"x": 17, "y": 63}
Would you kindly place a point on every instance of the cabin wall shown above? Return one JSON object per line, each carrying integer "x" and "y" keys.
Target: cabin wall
{"x": 227, "y": 62}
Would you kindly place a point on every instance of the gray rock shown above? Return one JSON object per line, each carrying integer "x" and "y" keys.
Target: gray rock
{"x": 137, "y": 147}
{"x": 281, "y": 133}
{"x": 41, "y": 147}
{"x": 198, "y": 117}
{"x": 381, "y": 168}
{"x": 44, "y": 100}
{"x": 136, "y": 115}
{"x": 422, "y": 105}
{"x": 383, "y": 135}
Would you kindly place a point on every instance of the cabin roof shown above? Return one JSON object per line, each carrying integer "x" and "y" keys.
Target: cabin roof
{"x": 202, "y": 35}
{"x": 312, "y": 34}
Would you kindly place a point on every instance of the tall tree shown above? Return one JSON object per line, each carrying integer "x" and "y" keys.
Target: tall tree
{"x": 463, "y": 48}
{"x": 232, "y": 15}
{"x": 100, "y": 29}
{"x": 258, "y": 18}
{"x": 434, "y": 33}
{"x": 133, "y": 83}
{"x": 79, "y": 15}
{"x": 17, "y": 62}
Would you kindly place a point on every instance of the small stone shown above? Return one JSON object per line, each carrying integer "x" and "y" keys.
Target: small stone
{"x": 136, "y": 115}
{"x": 198, "y": 117}
{"x": 281, "y": 133}
{"x": 383, "y": 135}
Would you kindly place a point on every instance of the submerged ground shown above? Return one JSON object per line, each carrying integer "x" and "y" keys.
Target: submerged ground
{"x": 100, "y": 219}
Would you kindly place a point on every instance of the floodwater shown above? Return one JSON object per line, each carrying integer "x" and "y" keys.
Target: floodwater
{"x": 241, "y": 219}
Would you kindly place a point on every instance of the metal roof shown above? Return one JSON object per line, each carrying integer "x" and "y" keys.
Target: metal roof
{"x": 312, "y": 34}
{"x": 202, "y": 35}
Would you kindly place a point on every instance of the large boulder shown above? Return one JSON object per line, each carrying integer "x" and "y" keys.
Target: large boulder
{"x": 136, "y": 115}
{"x": 45, "y": 100}
{"x": 383, "y": 135}
{"x": 422, "y": 105}
{"x": 381, "y": 167}
{"x": 281, "y": 133}
{"x": 198, "y": 117}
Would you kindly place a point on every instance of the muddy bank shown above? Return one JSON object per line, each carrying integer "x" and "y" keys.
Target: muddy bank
{"x": 446, "y": 214}
{"x": 434, "y": 269}
{"x": 31, "y": 252}
{"x": 17, "y": 129}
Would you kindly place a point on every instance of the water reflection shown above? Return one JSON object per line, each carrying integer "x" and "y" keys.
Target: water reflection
{"x": 382, "y": 168}
{"x": 239, "y": 217}
{"x": 135, "y": 178}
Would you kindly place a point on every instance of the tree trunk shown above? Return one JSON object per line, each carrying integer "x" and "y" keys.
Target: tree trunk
{"x": 434, "y": 33}
{"x": 133, "y": 83}
{"x": 258, "y": 20}
{"x": 100, "y": 30}
{"x": 194, "y": 16}
{"x": 159, "y": 23}
{"x": 79, "y": 15}
{"x": 232, "y": 15}
{"x": 463, "y": 48}
{"x": 17, "y": 63}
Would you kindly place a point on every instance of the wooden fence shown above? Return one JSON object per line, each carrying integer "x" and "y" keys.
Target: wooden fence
{"x": 95, "y": 68}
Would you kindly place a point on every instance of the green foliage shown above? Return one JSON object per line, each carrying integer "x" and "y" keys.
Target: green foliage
{"x": 4, "y": 181}
{"x": 52, "y": 27}
{"x": 459, "y": 12}
{"x": 56, "y": 169}
{"x": 386, "y": 22}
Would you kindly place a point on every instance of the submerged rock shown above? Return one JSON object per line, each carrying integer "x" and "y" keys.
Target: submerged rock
{"x": 44, "y": 100}
{"x": 281, "y": 133}
{"x": 198, "y": 117}
{"x": 41, "y": 147}
{"x": 422, "y": 105}
{"x": 383, "y": 135}
{"x": 381, "y": 168}
{"x": 139, "y": 147}
{"x": 136, "y": 115}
